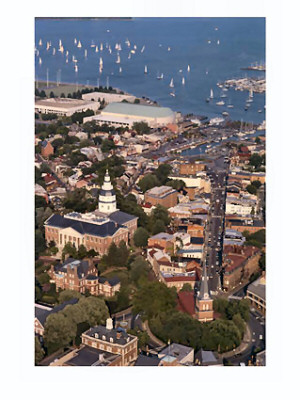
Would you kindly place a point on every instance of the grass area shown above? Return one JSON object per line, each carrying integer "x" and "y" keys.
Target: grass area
{"x": 65, "y": 88}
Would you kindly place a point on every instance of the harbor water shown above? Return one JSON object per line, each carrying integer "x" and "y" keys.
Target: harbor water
{"x": 203, "y": 51}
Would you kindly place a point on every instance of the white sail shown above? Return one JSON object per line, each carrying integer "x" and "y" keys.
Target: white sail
{"x": 172, "y": 83}
{"x": 132, "y": 51}
{"x": 40, "y": 42}
{"x": 211, "y": 94}
{"x": 85, "y": 53}
{"x": 251, "y": 93}
{"x": 53, "y": 51}
{"x": 79, "y": 45}
{"x": 67, "y": 60}
{"x": 75, "y": 41}
{"x": 183, "y": 80}
{"x": 76, "y": 68}
{"x": 129, "y": 56}
{"x": 218, "y": 41}
{"x": 40, "y": 61}
{"x": 143, "y": 48}
{"x": 101, "y": 46}
{"x": 135, "y": 47}
{"x": 146, "y": 70}
{"x": 120, "y": 70}
{"x": 169, "y": 48}
{"x": 67, "y": 53}
{"x": 101, "y": 62}
{"x": 96, "y": 50}
{"x": 188, "y": 68}
{"x": 118, "y": 59}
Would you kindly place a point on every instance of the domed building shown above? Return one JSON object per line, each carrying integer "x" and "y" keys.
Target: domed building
{"x": 107, "y": 202}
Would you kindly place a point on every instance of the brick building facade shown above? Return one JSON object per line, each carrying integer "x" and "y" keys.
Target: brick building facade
{"x": 166, "y": 196}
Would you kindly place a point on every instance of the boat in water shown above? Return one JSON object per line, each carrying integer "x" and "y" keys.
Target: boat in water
{"x": 76, "y": 68}
{"x": 188, "y": 68}
{"x": 96, "y": 49}
{"x": 171, "y": 83}
{"x": 218, "y": 41}
{"x": 142, "y": 50}
{"x": 40, "y": 61}
{"x": 101, "y": 47}
{"x": 211, "y": 94}
{"x": 53, "y": 51}
{"x": 118, "y": 59}
{"x": 220, "y": 103}
{"x": 75, "y": 41}
{"x": 40, "y": 42}
{"x": 172, "y": 94}
{"x": 85, "y": 53}
{"x": 225, "y": 113}
{"x": 120, "y": 70}
{"x": 183, "y": 81}
{"x": 161, "y": 76}
{"x": 145, "y": 70}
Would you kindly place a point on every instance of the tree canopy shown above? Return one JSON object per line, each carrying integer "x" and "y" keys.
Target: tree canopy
{"x": 140, "y": 237}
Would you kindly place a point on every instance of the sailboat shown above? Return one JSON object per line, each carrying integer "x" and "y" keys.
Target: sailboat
{"x": 101, "y": 47}
{"x": 129, "y": 56}
{"x": 218, "y": 41}
{"x": 67, "y": 53}
{"x": 75, "y": 41}
{"x": 206, "y": 72}
{"x": 172, "y": 94}
{"x": 132, "y": 51}
{"x": 223, "y": 94}
{"x": 143, "y": 48}
{"x": 79, "y": 45}
{"x": 169, "y": 48}
{"x": 211, "y": 94}
{"x": 101, "y": 62}
{"x": 48, "y": 46}
{"x": 40, "y": 61}
{"x": 76, "y": 68}
{"x": 171, "y": 83}
{"x": 85, "y": 53}
{"x": 230, "y": 105}
{"x": 188, "y": 68}
{"x": 183, "y": 81}
{"x": 135, "y": 47}
{"x": 40, "y": 42}
{"x": 220, "y": 103}
{"x": 117, "y": 46}
{"x": 161, "y": 76}
{"x": 96, "y": 49}
{"x": 120, "y": 70}
{"x": 118, "y": 59}
{"x": 61, "y": 49}
{"x": 53, "y": 51}
{"x": 67, "y": 60}
{"x": 93, "y": 44}
{"x": 146, "y": 70}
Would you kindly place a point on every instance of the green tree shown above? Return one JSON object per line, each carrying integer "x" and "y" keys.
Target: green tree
{"x": 160, "y": 213}
{"x": 251, "y": 189}
{"x": 186, "y": 288}
{"x": 152, "y": 298}
{"x": 257, "y": 184}
{"x": 38, "y": 352}
{"x": 70, "y": 250}
{"x": 107, "y": 145}
{"x": 240, "y": 323}
{"x": 148, "y": 182}
{"x": 67, "y": 295}
{"x": 141, "y": 128}
{"x": 162, "y": 172}
{"x": 159, "y": 226}
{"x": 141, "y": 237}
{"x": 59, "y": 332}
{"x": 139, "y": 268}
{"x": 95, "y": 309}
{"x": 112, "y": 255}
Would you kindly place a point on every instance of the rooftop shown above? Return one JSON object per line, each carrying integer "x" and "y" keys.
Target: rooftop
{"x": 176, "y": 350}
{"x": 62, "y": 102}
{"x": 137, "y": 110}
{"x": 88, "y": 356}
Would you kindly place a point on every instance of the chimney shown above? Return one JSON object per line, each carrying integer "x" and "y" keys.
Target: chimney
{"x": 109, "y": 324}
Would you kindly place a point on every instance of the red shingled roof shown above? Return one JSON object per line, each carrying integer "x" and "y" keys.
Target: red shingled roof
{"x": 186, "y": 302}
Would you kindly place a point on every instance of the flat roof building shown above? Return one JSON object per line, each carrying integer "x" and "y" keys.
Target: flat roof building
{"x": 107, "y": 97}
{"x": 163, "y": 195}
{"x": 126, "y": 114}
{"x": 64, "y": 106}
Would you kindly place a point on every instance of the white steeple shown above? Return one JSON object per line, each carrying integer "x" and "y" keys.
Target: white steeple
{"x": 107, "y": 202}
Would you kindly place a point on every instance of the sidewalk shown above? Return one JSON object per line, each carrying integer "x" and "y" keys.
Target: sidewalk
{"x": 154, "y": 339}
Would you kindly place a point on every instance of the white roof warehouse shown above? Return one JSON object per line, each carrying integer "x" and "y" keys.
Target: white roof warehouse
{"x": 125, "y": 114}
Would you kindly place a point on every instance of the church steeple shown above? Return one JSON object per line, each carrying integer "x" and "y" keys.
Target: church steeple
{"x": 204, "y": 292}
{"x": 107, "y": 203}
{"x": 204, "y": 303}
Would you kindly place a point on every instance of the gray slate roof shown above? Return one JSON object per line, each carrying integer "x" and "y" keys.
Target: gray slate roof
{"x": 109, "y": 333}
{"x": 107, "y": 229}
{"x": 42, "y": 314}
{"x": 121, "y": 217}
{"x": 82, "y": 266}
{"x": 146, "y": 361}
{"x": 176, "y": 350}
{"x": 88, "y": 356}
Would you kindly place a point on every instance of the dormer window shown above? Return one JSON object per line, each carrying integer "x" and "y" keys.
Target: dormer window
{"x": 111, "y": 340}
{"x": 103, "y": 337}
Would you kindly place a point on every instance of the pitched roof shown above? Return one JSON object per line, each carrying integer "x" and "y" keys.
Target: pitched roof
{"x": 144, "y": 361}
{"x": 110, "y": 334}
{"x": 112, "y": 281}
{"x": 82, "y": 266}
{"x": 121, "y": 217}
{"x": 106, "y": 229}
{"x": 41, "y": 314}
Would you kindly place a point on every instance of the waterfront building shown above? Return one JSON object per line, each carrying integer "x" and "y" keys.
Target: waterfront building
{"x": 126, "y": 114}
{"x": 108, "y": 97}
{"x": 64, "y": 106}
